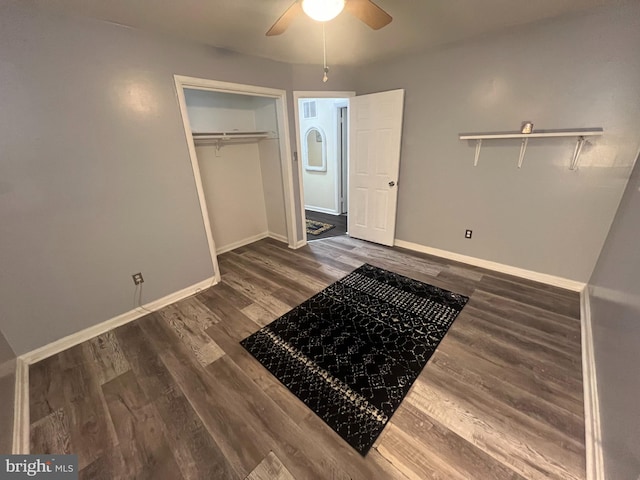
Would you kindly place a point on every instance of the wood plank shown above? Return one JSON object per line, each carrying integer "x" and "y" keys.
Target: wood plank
{"x": 484, "y": 324}
{"x": 323, "y": 254}
{"x": 250, "y": 285}
{"x": 204, "y": 349}
{"x": 290, "y": 297}
{"x": 237, "y": 275}
{"x": 108, "y": 466}
{"x": 226, "y": 424}
{"x": 45, "y": 389}
{"x": 267, "y": 273}
{"x": 235, "y": 295}
{"x": 140, "y": 431}
{"x": 549, "y": 322}
{"x": 90, "y": 427}
{"x": 443, "y": 447}
{"x": 424, "y": 267}
{"x": 50, "y": 434}
{"x": 196, "y": 452}
{"x": 108, "y": 361}
{"x": 271, "y": 468}
{"x": 259, "y": 314}
{"x": 229, "y": 339}
{"x": 322, "y": 434}
{"x": 484, "y": 363}
{"x": 412, "y": 459}
{"x": 242, "y": 326}
{"x": 497, "y": 433}
{"x": 198, "y": 313}
{"x": 511, "y": 357}
{"x": 499, "y": 392}
{"x": 544, "y": 299}
{"x": 301, "y": 263}
{"x": 460, "y": 282}
{"x": 314, "y": 282}
{"x": 273, "y": 305}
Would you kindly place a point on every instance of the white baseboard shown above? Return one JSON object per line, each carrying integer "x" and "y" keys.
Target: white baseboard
{"x": 21, "y": 413}
{"x": 21, "y": 409}
{"x": 75, "y": 338}
{"x": 241, "y": 243}
{"x": 498, "y": 267}
{"x": 300, "y": 244}
{"x": 322, "y": 210}
{"x": 249, "y": 240}
{"x": 278, "y": 237}
{"x": 593, "y": 436}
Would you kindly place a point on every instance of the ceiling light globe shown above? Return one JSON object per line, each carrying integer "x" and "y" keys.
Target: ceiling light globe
{"x": 322, "y": 10}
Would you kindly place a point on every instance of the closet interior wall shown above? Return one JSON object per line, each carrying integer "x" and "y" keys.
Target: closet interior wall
{"x": 241, "y": 179}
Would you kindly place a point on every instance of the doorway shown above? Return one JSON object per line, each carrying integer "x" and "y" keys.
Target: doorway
{"x": 322, "y": 138}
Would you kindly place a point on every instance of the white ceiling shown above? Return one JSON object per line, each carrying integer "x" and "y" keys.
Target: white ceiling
{"x": 240, "y": 25}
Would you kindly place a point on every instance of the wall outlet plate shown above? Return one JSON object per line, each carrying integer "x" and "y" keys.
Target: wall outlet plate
{"x": 137, "y": 278}
{"x": 468, "y": 233}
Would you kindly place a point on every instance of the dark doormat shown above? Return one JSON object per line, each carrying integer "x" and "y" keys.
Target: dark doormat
{"x": 352, "y": 351}
{"x": 316, "y": 228}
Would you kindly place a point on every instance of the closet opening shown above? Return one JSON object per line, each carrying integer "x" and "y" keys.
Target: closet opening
{"x": 238, "y": 142}
{"x": 322, "y": 139}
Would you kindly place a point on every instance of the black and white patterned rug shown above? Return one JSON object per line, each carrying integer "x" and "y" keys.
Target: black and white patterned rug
{"x": 352, "y": 351}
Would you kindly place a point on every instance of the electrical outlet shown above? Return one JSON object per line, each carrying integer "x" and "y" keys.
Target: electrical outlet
{"x": 137, "y": 278}
{"x": 468, "y": 233}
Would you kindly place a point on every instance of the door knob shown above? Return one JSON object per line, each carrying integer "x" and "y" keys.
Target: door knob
{"x": 392, "y": 183}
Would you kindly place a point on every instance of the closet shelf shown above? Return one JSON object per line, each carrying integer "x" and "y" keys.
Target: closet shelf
{"x": 219, "y": 138}
{"x": 579, "y": 133}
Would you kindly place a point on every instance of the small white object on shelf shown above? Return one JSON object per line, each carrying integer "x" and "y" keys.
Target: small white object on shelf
{"x": 580, "y": 133}
{"x": 527, "y": 127}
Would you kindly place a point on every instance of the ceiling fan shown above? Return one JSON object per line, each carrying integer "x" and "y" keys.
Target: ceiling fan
{"x": 325, "y": 10}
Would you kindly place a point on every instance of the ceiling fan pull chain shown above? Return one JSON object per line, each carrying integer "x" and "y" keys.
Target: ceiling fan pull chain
{"x": 325, "y": 77}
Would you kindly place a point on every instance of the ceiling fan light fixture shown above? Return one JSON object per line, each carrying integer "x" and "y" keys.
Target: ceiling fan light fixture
{"x": 322, "y": 10}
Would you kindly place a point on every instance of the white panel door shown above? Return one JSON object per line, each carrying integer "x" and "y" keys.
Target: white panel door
{"x": 375, "y": 132}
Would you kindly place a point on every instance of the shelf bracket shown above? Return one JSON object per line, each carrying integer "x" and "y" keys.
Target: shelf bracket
{"x": 478, "y": 147}
{"x": 523, "y": 149}
{"x": 576, "y": 153}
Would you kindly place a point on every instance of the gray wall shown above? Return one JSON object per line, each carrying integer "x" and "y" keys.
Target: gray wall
{"x": 615, "y": 315}
{"x": 7, "y": 388}
{"x": 95, "y": 177}
{"x": 6, "y": 352}
{"x": 572, "y": 72}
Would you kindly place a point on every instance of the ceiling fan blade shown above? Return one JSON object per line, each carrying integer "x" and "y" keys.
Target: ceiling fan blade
{"x": 369, "y": 13}
{"x": 285, "y": 19}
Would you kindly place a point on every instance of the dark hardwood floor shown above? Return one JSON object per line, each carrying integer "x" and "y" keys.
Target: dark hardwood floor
{"x": 173, "y": 395}
{"x": 340, "y": 222}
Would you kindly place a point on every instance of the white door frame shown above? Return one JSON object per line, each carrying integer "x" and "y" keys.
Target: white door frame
{"x": 280, "y": 97}
{"x": 296, "y": 96}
